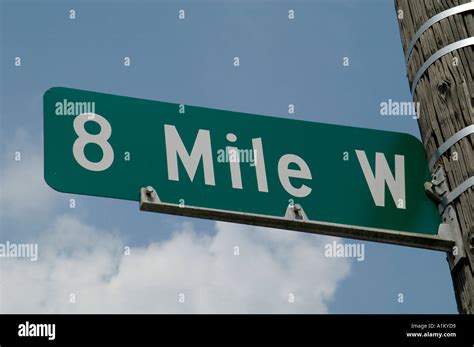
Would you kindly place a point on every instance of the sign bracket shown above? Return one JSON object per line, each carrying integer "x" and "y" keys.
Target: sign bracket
{"x": 296, "y": 219}
{"x": 438, "y": 190}
{"x": 295, "y": 212}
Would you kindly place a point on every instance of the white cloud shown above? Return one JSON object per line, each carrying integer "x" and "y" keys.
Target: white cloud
{"x": 23, "y": 191}
{"x": 81, "y": 259}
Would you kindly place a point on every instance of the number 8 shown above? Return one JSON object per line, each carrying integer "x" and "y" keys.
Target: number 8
{"x": 100, "y": 139}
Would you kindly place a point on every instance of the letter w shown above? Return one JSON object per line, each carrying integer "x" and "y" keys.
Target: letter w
{"x": 383, "y": 174}
{"x": 201, "y": 149}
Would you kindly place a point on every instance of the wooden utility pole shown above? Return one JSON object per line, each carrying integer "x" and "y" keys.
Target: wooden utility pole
{"x": 440, "y": 70}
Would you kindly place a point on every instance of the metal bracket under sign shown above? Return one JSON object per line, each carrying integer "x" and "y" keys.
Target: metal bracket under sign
{"x": 295, "y": 219}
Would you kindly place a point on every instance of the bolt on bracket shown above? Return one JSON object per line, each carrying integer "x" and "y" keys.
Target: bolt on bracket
{"x": 295, "y": 212}
{"x": 149, "y": 194}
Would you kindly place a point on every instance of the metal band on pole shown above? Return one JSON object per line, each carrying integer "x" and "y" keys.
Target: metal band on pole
{"x": 445, "y": 50}
{"x": 454, "y": 194}
{"x": 449, "y": 143}
{"x": 433, "y": 20}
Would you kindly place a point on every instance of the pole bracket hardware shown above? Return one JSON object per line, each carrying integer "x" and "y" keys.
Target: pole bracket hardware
{"x": 450, "y": 226}
{"x": 438, "y": 191}
{"x": 455, "y": 193}
{"x": 438, "y": 187}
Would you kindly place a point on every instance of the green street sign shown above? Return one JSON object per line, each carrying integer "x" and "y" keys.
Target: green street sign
{"x": 239, "y": 167}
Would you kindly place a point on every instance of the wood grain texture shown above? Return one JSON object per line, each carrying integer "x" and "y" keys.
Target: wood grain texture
{"x": 446, "y": 96}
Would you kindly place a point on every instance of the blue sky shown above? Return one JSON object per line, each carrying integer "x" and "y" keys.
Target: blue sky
{"x": 190, "y": 61}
